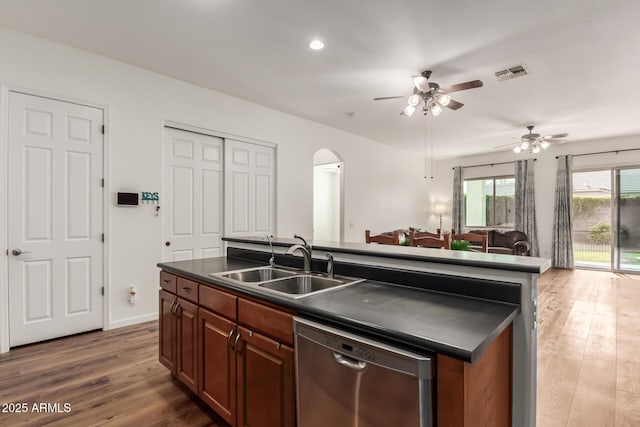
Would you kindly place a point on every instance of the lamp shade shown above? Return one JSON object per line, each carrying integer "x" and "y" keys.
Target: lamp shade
{"x": 439, "y": 208}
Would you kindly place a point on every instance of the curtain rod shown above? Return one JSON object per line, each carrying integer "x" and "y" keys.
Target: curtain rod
{"x": 603, "y": 152}
{"x": 491, "y": 164}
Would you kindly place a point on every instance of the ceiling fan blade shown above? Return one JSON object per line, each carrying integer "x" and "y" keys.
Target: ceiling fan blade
{"x": 557, "y": 136}
{"x": 382, "y": 98}
{"x": 461, "y": 86}
{"x": 455, "y": 105}
{"x": 421, "y": 82}
{"x": 511, "y": 144}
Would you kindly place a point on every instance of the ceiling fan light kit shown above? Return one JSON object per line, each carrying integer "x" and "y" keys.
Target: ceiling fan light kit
{"x": 436, "y": 109}
{"x": 430, "y": 97}
{"x": 444, "y": 99}
{"x": 414, "y": 100}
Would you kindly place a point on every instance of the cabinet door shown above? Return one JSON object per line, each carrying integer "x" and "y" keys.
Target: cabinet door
{"x": 217, "y": 364}
{"x": 265, "y": 382}
{"x": 187, "y": 343}
{"x": 167, "y": 331}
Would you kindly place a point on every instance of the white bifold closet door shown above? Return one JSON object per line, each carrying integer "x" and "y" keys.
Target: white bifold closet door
{"x": 249, "y": 189}
{"x": 192, "y": 208}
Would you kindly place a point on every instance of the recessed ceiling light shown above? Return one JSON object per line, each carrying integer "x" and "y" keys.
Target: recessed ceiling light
{"x": 316, "y": 45}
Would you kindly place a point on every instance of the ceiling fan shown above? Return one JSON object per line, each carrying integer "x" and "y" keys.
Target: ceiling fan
{"x": 534, "y": 142}
{"x": 429, "y": 96}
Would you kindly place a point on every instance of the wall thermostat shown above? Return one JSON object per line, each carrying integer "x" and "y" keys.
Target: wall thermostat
{"x": 128, "y": 199}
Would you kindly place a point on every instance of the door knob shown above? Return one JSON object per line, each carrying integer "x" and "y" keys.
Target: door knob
{"x": 18, "y": 252}
{"x": 167, "y": 243}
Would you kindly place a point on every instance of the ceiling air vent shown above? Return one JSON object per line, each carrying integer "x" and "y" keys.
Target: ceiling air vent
{"x": 512, "y": 72}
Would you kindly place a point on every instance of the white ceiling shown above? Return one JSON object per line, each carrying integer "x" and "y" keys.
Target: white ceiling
{"x": 584, "y": 58}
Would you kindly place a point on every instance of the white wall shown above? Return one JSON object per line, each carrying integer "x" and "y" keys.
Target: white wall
{"x": 380, "y": 193}
{"x": 326, "y": 202}
{"x": 545, "y": 175}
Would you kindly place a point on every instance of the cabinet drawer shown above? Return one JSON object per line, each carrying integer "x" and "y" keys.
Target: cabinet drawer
{"x": 168, "y": 282}
{"x": 219, "y": 302}
{"x": 187, "y": 289}
{"x": 274, "y": 323}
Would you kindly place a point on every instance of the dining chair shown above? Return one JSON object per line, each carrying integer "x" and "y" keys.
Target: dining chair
{"x": 478, "y": 241}
{"x": 391, "y": 238}
{"x": 430, "y": 242}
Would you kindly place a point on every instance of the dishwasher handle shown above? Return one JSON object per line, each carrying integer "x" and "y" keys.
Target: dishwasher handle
{"x": 349, "y": 362}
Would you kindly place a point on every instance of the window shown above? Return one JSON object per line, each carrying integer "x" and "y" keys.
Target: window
{"x": 489, "y": 202}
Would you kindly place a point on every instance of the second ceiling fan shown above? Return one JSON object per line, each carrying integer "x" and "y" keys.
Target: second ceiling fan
{"x": 534, "y": 142}
{"x": 429, "y": 96}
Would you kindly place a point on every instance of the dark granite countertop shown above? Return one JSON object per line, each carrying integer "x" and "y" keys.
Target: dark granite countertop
{"x": 464, "y": 258}
{"x": 457, "y": 326}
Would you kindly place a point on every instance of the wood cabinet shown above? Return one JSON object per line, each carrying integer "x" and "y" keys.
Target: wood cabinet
{"x": 218, "y": 364}
{"x": 265, "y": 381}
{"x": 167, "y": 330}
{"x": 476, "y": 395}
{"x": 178, "y": 334}
{"x": 236, "y": 354}
{"x": 186, "y": 343}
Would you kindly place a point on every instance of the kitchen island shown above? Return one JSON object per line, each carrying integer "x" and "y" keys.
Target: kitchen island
{"x": 456, "y": 307}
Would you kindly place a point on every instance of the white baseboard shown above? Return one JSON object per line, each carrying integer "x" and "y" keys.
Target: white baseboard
{"x": 132, "y": 320}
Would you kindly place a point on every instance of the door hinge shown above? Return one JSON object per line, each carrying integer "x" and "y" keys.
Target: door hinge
{"x": 102, "y": 237}
{"x": 102, "y": 182}
{"x": 103, "y": 129}
{"x": 102, "y": 291}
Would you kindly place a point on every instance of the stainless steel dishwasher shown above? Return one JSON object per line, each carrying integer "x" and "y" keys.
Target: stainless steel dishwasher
{"x": 345, "y": 380}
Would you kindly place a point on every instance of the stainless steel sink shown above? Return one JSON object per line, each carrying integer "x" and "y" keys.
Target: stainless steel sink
{"x": 288, "y": 283}
{"x": 260, "y": 274}
{"x": 303, "y": 284}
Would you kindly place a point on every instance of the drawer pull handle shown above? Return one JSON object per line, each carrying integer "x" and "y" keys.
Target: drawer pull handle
{"x": 166, "y": 281}
{"x": 277, "y": 346}
{"x": 229, "y": 339}
{"x": 185, "y": 289}
{"x": 174, "y": 305}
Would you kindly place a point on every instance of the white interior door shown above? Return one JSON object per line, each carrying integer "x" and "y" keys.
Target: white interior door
{"x": 249, "y": 189}
{"x": 54, "y": 218}
{"x": 193, "y": 182}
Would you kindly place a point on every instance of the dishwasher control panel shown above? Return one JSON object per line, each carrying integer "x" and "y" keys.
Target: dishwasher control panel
{"x": 359, "y": 352}
{"x": 364, "y": 349}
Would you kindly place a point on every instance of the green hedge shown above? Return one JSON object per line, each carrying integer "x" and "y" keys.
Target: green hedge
{"x": 586, "y": 205}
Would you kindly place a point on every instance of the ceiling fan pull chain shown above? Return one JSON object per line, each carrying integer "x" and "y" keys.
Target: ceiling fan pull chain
{"x": 432, "y": 147}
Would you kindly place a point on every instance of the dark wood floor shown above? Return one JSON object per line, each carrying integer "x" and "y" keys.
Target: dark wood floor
{"x": 588, "y": 369}
{"x": 108, "y": 378}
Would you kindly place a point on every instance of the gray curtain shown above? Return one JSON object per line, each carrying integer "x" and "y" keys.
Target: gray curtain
{"x": 458, "y": 201}
{"x": 526, "y": 203}
{"x": 562, "y": 246}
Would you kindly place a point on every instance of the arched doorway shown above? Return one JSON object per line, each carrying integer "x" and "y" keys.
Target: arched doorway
{"x": 328, "y": 184}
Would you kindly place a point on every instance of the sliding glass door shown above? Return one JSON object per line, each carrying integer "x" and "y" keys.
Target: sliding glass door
{"x": 606, "y": 219}
{"x": 591, "y": 221}
{"x": 627, "y": 256}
